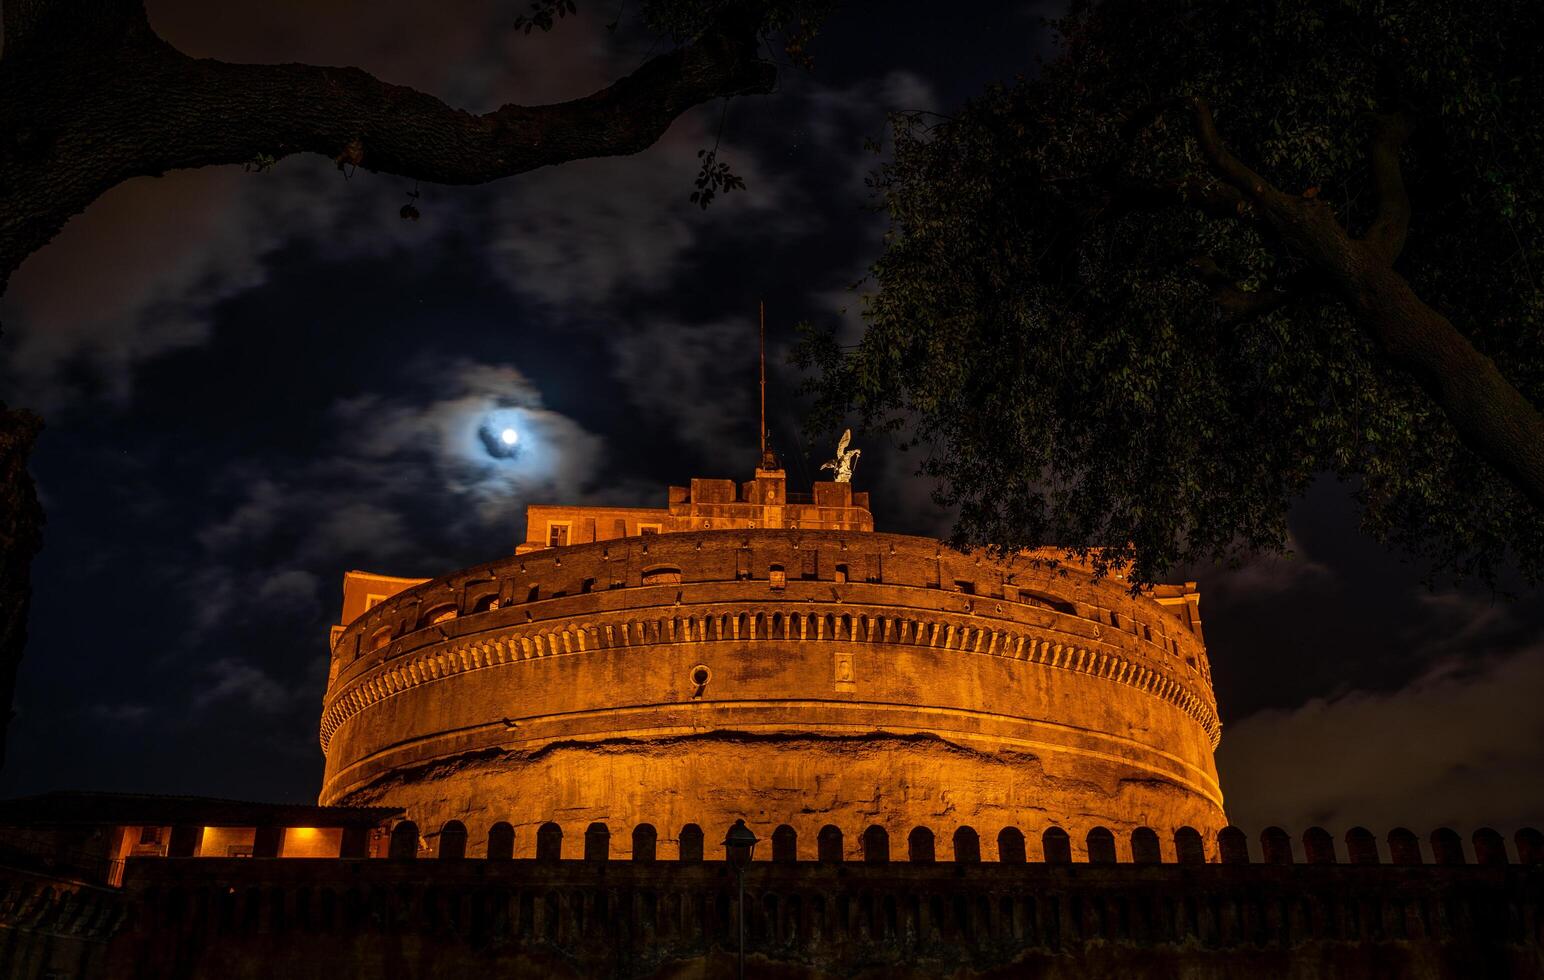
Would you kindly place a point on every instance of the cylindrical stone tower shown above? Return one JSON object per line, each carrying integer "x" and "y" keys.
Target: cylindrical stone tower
{"x": 742, "y": 653}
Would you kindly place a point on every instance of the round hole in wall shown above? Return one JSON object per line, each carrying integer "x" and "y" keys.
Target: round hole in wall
{"x": 701, "y": 675}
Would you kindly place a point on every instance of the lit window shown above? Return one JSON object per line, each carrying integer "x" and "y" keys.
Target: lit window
{"x": 778, "y": 576}
{"x": 557, "y": 534}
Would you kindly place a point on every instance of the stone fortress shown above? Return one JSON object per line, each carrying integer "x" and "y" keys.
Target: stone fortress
{"x": 958, "y": 765}
{"x": 749, "y": 652}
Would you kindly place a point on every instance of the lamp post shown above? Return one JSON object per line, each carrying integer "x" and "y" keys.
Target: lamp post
{"x": 739, "y": 845}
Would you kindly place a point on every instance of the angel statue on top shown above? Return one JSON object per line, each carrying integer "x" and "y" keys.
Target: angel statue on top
{"x": 845, "y": 459}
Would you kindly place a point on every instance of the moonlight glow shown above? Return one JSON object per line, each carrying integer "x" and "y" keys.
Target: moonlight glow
{"x": 509, "y": 437}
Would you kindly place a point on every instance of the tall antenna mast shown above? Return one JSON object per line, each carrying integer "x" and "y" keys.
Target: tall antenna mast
{"x": 763, "y": 306}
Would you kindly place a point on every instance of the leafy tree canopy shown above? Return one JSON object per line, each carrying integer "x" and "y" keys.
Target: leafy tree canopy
{"x": 1212, "y": 250}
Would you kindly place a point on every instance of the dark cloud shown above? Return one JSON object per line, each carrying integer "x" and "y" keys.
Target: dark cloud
{"x": 1460, "y": 745}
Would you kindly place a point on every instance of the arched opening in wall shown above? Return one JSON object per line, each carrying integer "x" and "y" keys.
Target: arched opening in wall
{"x": 1144, "y": 846}
{"x": 1318, "y": 846}
{"x": 1489, "y": 848}
{"x": 549, "y": 842}
{"x": 533, "y": 593}
{"x": 597, "y": 842}
{"x": 501, "y": 841}
{"x": 439, "y": 614}
{"x": 1361, "y": 846}
{"x": 1232, "y": 845}
{"x": 920, "y": 846}
{"x": 381, "y": 638}
{"x": 691, "y": 843}
{"x": 662, "y": 575}
{"x": 1057, "y": 845}
{"x": 876, "y": 845}
{"x": 1446, "y": 846}
{"x": 404, "y": 841}
{"x": 828, "y": 845}
{"x": 785, "y": 844}
{"x": 1276, "y": 846}
{"x": 1404, "y": 847}
{"x": 1189, "y": 847}
{"x": 645, "y": 842}
{"x": 1010, "y": 846}
{"x": 453, "y": 841}
{"x": 1101, "y": 846}
{"x": 967, "y": 846}
{"x": 486, "y": 603}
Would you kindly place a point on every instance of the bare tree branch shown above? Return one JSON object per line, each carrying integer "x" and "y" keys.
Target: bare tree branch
{"x": 82, "y": 115}
{"x": 1224, "y": 164}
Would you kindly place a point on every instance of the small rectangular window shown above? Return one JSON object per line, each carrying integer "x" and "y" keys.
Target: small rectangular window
{"x": 372, "y": 600}
{"x": 557, "y": 534}
{"x": 778, "y": 577}
{"x": 648, "y": 528}
{"x": 841, "y": 574}
{"x": 960, "y": 585}
{"x": 534, "y": 594}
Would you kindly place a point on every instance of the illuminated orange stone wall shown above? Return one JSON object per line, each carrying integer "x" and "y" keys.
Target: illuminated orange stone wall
{"x": 854, "y": 679}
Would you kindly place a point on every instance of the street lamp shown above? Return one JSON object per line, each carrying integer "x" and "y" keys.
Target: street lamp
{"x": 739, "y": 845}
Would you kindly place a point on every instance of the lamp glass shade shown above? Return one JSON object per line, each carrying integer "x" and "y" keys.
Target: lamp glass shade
{"x": 739, "y": 844}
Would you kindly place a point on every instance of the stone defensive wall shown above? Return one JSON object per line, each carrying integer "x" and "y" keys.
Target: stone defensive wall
{"x": 1442, "y": 909}
{"x": 799, "y": 677}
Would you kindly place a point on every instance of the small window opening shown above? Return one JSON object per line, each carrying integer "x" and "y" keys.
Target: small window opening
{"x": 150, "y": 835}
{"x": 534, "y": 594}
{"x": 968, "y": 588}
{"x": 841, "y": 574}
{"x": 778, "y": 577}
{"x": 1115, "y": 619}
{"x": 648, "y": 528}
{"x": 557, "y": 535}
{"x": 587, "y": 586}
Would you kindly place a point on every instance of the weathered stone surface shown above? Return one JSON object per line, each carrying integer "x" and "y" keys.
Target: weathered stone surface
{"x": 794, "y": 676}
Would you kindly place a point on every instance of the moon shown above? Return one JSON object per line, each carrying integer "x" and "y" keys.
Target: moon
{"x": 509, "y": 437}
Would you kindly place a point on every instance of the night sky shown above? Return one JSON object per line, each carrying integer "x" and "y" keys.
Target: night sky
{"x": 254, "y": 382}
